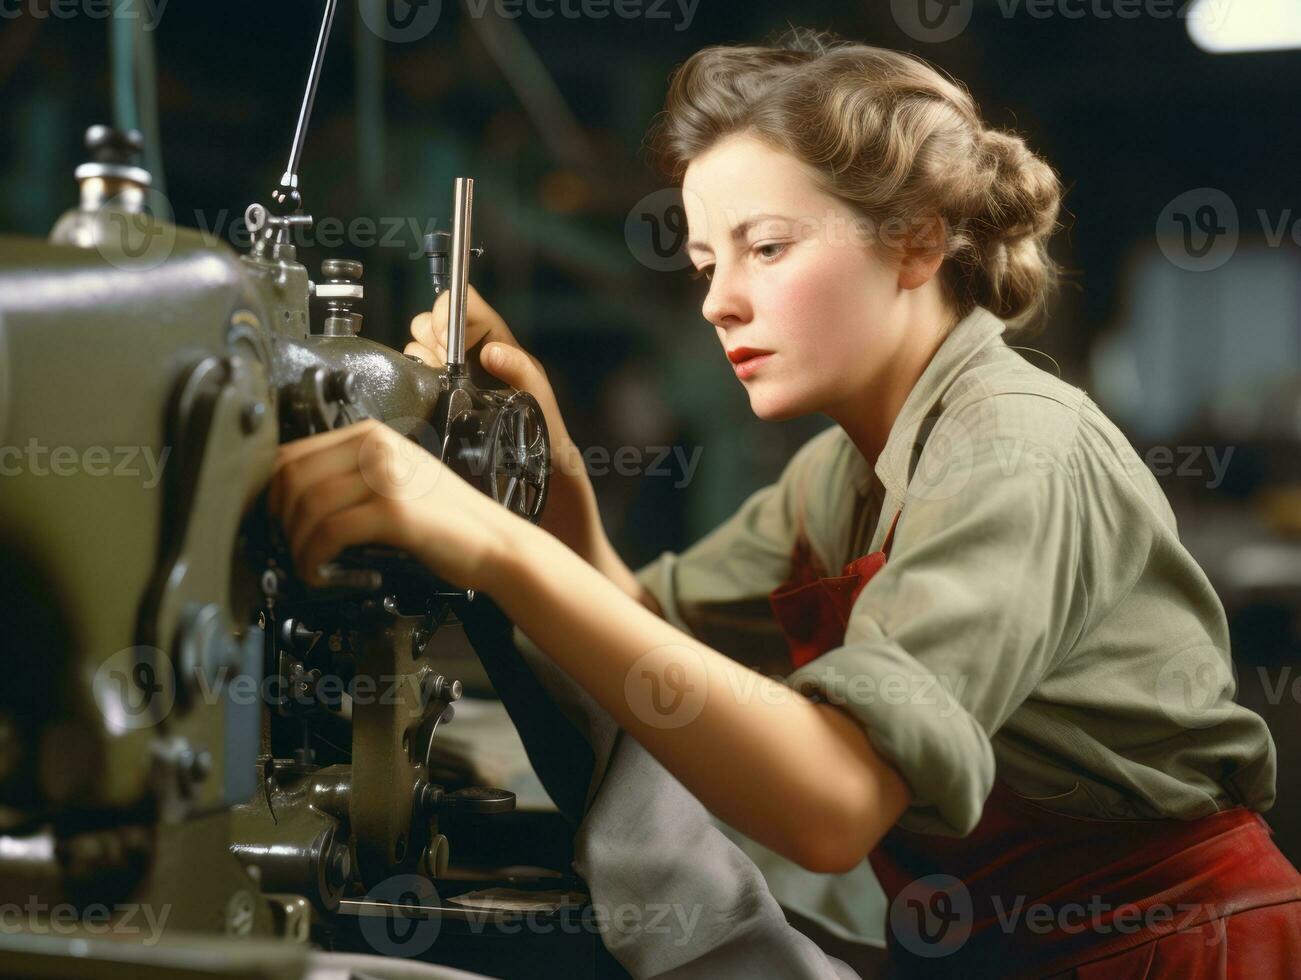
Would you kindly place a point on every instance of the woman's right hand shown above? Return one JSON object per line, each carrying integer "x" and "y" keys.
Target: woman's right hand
{"x": 502, "y": 356}
{"x": 571, "y": 503}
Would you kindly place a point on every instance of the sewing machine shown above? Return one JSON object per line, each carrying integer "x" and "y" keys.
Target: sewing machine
{"x": 183, "y": 723}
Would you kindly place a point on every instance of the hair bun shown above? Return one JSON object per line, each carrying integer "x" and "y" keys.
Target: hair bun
{"x": 1025, "y": 194}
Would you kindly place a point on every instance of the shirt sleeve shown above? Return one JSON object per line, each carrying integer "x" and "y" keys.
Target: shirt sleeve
{"x": 968, "y": 613}
{"x": 717, "y": 590}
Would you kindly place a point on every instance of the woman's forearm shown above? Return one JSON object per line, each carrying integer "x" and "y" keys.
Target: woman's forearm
{"x": 797, "y": 776}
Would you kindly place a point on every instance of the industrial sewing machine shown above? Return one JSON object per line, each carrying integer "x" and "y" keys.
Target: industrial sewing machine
{"x": 182, "y": 721}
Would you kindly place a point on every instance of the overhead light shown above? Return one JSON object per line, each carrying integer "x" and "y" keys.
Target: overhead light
{"x": 1226, "y": 26}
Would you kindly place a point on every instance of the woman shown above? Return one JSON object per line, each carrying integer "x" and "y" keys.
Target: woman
{"x": 1009, "y": 684}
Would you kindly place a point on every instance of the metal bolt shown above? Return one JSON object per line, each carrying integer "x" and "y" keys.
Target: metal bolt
{"x": 252, "y": 416}
{"x": 428, "y": 796}
{"x": 271, "y": 582}
{"x": 201, "y": 766}
{"x": 338, "y": 866}
{"x": 431, "y": 687}
{"x": 436, "y": 687}
{"x": 437, "y": 855}
{"x": 341, "y": 385}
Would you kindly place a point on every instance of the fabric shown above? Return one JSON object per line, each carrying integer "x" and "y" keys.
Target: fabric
{"x": 1258, "y": 944}
{"x": 1032, "y": 893}
{"x": 681, "y": 900}
{"x": 813, "y": 611}
{"x": 1038, "y": 613}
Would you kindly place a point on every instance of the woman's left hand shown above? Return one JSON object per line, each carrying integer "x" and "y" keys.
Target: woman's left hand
{"x": 367, "y": 484}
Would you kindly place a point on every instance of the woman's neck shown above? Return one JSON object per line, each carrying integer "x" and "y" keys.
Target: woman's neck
{"x": 869, "y": 412}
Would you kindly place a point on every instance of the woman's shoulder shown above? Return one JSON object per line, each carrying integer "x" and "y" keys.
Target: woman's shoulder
{"x": 1021, "y": 415}
{"x": 1005, "y": 396}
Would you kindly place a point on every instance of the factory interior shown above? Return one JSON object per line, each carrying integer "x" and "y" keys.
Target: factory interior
{"x": 169, "y": 311}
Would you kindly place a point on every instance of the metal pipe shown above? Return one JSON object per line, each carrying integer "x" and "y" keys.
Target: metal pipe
{"x": 462, "y": 207}
{"x": 290, "y": 178}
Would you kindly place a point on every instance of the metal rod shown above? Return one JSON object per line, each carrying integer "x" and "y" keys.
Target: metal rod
{"x": 290, "y": 178}
{"x": 370, "y": 111}
{"x": 147, "y": 106}
{"x": 122, "y": 36}
{"x": 462, "y": 206}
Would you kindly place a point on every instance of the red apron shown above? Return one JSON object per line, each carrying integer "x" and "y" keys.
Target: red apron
{"x": 1032, "y": 892}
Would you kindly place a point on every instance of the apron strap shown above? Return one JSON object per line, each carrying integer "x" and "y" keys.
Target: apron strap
{"x": 889, "y": 535}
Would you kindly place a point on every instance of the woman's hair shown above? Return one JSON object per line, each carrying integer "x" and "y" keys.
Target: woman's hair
{"x": 894, "y": 138}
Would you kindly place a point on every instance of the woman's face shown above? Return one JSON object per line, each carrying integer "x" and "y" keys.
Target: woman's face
{"x": 793, "y": 273}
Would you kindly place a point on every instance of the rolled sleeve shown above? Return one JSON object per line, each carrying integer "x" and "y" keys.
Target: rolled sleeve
{"x": 966, "y": 616}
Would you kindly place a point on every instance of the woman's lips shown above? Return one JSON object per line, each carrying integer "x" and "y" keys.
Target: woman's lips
{"x": 746, "y": 368}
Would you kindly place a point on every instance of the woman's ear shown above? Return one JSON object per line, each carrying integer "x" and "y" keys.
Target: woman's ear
{"x": 922, "y": 253}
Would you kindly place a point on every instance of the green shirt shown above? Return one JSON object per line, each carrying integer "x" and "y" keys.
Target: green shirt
{"x": 1038, "y": 617}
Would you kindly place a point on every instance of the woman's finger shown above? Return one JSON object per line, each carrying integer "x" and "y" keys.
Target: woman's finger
{"x": 327, "y": 497}
{"x": 290, "y": 451}
{"x": 417, "y": 349}
{"x": 294, "y": 483}
{"x": 367, "y": 523}
{"x": 481, "y": 321}
{"x": 424, "y": 333}
{"x": 514, "y": 366}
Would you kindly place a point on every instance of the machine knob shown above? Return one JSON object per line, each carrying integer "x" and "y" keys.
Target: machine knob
{"x": 109, "y": 145}
{"x": 344, "y": 269}
{"x": 438, "y": 250}
{"x": 114, "y": 156}
{"x": 340, "y": 290}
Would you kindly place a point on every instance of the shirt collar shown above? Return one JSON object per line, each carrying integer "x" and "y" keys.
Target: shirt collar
{"x": 970, "y": 336}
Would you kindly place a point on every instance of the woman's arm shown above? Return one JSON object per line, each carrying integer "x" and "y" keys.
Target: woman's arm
{"x": 797, "y": 776}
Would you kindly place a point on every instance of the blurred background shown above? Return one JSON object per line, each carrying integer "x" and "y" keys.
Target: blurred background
{"x": 1181, "y": 312}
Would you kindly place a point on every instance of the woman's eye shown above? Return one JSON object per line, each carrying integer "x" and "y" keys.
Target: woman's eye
{"x": 707, "y": 272}
{"x": 770, "y": 250}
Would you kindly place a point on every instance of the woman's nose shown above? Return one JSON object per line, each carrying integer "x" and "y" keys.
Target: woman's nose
{"x": 726, "y": 301}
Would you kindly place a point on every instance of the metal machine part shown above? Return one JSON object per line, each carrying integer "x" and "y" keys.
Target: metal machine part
{"x": 201, "y": 728}
{"x": 462, "y": 211}
{"x": 113, "y": 193}
{"x": 287, "y": 195}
